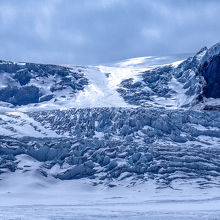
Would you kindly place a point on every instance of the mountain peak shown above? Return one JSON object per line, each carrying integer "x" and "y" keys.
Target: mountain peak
{"x": 212, "y": 51}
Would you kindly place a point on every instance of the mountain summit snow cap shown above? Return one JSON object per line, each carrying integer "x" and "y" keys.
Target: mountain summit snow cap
{"x": 212, "y": 51}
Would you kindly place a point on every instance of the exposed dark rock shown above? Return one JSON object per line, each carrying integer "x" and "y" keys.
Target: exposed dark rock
{"x": 210, "y": 70}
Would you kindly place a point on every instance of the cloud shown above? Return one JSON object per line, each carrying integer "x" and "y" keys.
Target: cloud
{"x": 100, "y": 31}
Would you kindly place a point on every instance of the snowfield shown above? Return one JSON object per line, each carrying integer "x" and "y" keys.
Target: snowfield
{"x": 138, "y": 139}
{"x": 35, "y": 197}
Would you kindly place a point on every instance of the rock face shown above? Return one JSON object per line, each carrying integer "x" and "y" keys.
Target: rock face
{"x": 210, "y": 70}
{"x": 170, "y": 131}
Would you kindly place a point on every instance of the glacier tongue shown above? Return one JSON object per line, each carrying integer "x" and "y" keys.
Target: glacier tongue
{"x": 100, "y": 92}
{"x": 111, "y": 144}
{"x": 140, "y": 123}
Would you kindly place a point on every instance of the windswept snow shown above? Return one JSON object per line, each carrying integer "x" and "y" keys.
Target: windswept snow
{"x": 99, "y": 92}
{"x": 150, "y": 61}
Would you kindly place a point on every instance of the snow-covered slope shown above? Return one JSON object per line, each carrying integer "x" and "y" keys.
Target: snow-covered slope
{"x": 141, "y": 121}
{"x": 145, "y": 81}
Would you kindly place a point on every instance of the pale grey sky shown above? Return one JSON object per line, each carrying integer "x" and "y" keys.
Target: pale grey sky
{"x": 102, "y": 31}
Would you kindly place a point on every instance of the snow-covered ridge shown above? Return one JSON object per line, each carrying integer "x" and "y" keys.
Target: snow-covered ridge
{"x": 162, "y": 82}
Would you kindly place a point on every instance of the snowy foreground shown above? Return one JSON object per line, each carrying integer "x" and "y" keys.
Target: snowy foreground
{"x": 139, "y": 139}
{"x": 110, "y": 211}
{"x": 29, "y": 200}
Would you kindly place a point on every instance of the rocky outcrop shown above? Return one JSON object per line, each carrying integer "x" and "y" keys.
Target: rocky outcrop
{"x": 210, "y": 70}
{"x": 26, "y": 83}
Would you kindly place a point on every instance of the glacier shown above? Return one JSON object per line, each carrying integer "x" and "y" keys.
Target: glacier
{"x": 144, "y": 132}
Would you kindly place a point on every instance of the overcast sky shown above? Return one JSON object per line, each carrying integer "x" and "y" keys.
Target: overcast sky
{"x": 103, "y": 31}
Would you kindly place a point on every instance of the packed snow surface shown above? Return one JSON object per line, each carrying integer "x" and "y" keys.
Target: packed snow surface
{"x": 35, "y": 197}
